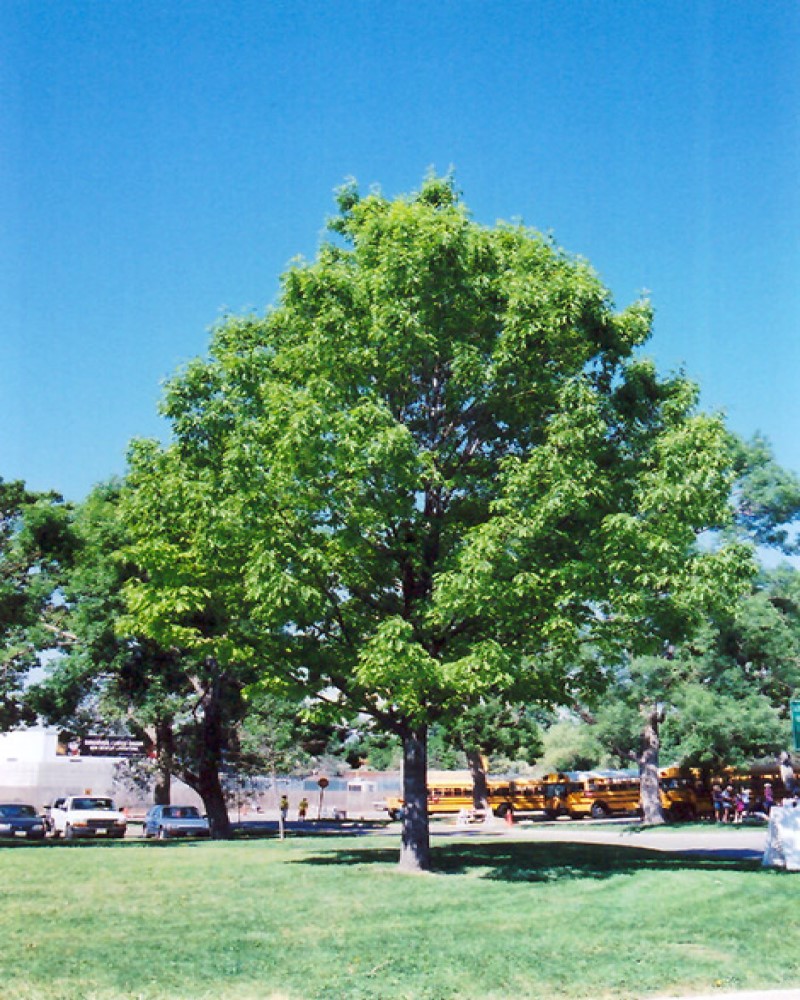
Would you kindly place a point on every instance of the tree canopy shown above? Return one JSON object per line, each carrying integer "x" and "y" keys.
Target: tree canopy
{"x": 434, "y": 473}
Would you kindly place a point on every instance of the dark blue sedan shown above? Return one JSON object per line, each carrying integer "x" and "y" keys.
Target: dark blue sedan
{"x": 20, "y": 821}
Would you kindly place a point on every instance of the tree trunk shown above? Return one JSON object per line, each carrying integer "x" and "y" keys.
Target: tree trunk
{"x": 480, "y": 786}
{"x": 210, "y": 790}
{"x": 415, "y": 850}
{"x": 652, "y": 814}
{"x": 212, "y": 740}
{"x": 164, "y": 755}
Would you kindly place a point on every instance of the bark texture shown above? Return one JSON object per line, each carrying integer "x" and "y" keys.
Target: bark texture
{"x": 165, "y": 751}
{"x": 480, "y": 785}
{"x": 652, "y": 814}
{"x": 415, "y": 850}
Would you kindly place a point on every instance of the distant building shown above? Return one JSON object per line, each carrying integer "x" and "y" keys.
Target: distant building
{"x": 37, "y": 766}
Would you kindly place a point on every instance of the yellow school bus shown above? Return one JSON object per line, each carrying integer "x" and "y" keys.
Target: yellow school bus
{"x": 684, "y": 793}
{"x": 516, "y": 795}
{"x": 577, "y": 794}
{"x": 450, "y": 792}
{"x": 596, "y": 794}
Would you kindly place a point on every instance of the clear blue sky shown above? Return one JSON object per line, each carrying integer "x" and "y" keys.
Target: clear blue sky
{"x": 163, "y": 161}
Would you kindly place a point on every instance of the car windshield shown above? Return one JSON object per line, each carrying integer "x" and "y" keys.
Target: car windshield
{"x": 15, "y": 810}
{"x": 181, "y": 812}
{"x": 92, "y": 804}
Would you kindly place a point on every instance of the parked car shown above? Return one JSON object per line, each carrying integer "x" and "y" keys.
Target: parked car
{"x": 175, "y": 821}
{"x": 86, "y": 816}
{"x": 18, "y": 820}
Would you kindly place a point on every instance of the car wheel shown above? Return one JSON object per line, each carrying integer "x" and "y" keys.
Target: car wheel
{"x": 162, "y": 833}
{"x": 69, "y": 833}
{"x": 599, "y": 810}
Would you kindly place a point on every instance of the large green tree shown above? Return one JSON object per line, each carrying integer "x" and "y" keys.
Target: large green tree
{"x": 433, "y": 473}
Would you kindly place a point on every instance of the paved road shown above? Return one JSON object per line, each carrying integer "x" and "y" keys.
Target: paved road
{"x": 722, "y": 841}
{"x": 744, "y": 842}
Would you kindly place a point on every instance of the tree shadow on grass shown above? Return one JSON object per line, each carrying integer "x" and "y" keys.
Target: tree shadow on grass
{"x": 553, "y": 862}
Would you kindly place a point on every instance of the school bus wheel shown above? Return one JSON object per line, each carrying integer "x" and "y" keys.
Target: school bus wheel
{"x": 681, "y": 813}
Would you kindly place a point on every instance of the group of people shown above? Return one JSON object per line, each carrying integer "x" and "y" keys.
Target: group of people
{"x": 732, "y": 805}
{"x": 302, "y": 808}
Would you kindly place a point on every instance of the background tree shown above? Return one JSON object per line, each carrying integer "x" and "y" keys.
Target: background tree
{"x": 572, "y": 744}
{"x": 33, "y": 542}
{"x": 766, "y": 496}
{"x": 739, "y": 676}
{"x": 724, "y": 694}
{"x": 376, "y": 749}
{"x": 101, "y": 679}
{"x": 111, "y": 676}
{"x": 430, "y": 475}
{"x": 187, "y": 595}
{"x": 717, "y": 691}
{"x": 489, "y": 728}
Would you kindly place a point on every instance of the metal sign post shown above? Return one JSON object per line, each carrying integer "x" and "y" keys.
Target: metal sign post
{"x": 323, "y": 784}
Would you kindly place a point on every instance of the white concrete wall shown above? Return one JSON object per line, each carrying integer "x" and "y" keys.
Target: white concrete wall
{"x": 31, "y": 771}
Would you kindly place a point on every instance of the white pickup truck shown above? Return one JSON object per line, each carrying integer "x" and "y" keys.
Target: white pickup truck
{"x": 86, "y": 816}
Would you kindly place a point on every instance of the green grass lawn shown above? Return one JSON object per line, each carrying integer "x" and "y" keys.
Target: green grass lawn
{"x": 330, "y": 917}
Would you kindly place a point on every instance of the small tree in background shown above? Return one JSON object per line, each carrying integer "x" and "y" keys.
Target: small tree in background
{"x": 722, "y": 693}
{"x": 494, "y": 727}
{"x": 122, "y": 679}
{"x": 34, "y": 541}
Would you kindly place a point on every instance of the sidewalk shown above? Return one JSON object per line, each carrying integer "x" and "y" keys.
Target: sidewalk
{"x": 745, "y": 843}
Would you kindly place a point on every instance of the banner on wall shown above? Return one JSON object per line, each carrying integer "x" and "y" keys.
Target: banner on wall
{"x": 70, "y": 745}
